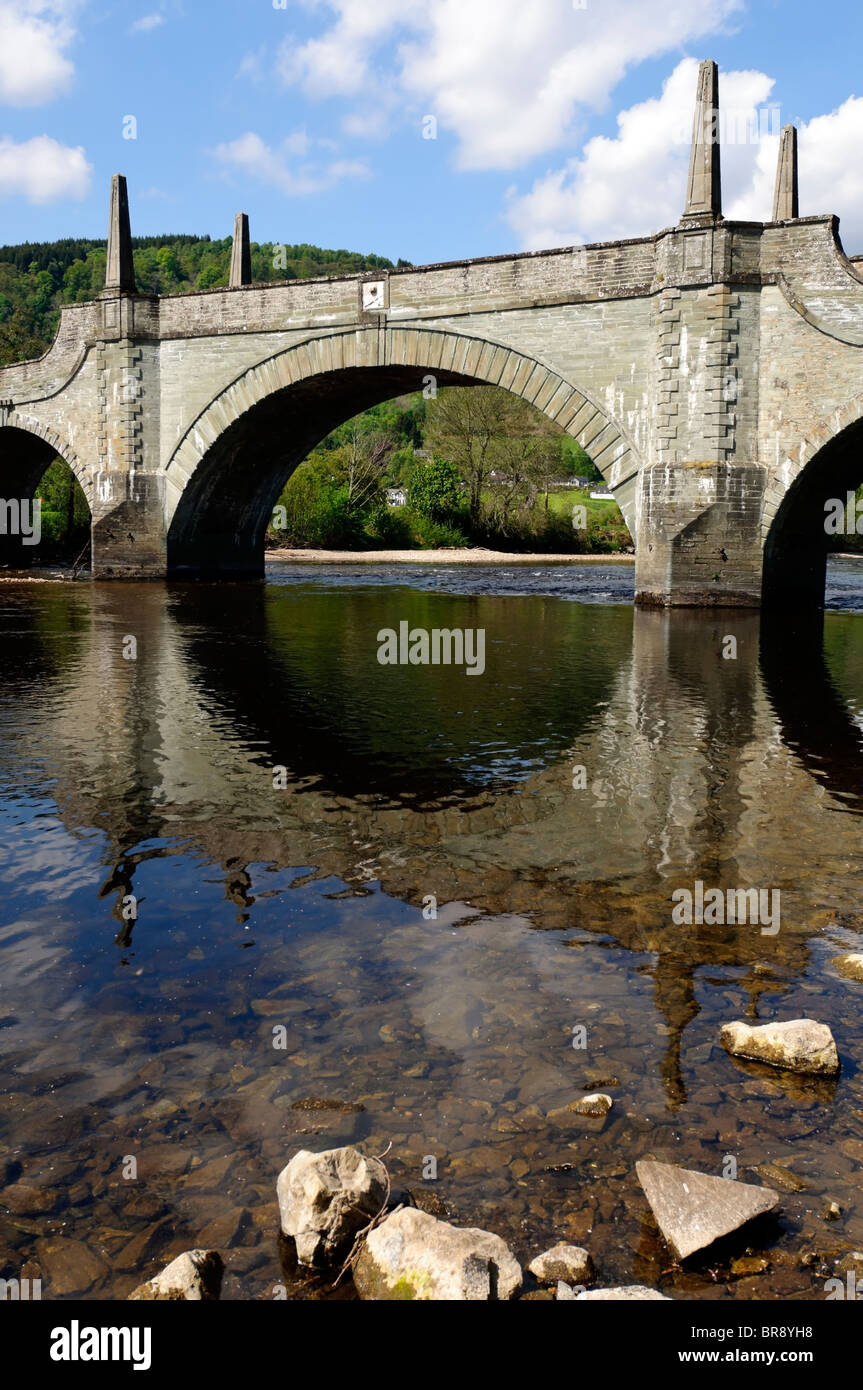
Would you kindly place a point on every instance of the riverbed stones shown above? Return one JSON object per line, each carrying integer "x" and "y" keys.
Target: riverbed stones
{"x": 67, "y": 1266}
{"x": 413, "y": 1256}
{"x": 633, "y": 1293}
{"x": 326, "y": 1198}
{"x": 570, "y": 1263}
{"x": 850, "y": 965}
{"x": 694, "y": 1209}
{"x": 594, "y": 1106}
{"x": 23, "y": 1200}
{"x": 195, "y": 1276}
{"x": 777, "y": 1176}
{"x": 799, "y": 1045}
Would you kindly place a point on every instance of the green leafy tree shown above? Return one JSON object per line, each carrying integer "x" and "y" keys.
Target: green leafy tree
{"x": 434, "y": 490}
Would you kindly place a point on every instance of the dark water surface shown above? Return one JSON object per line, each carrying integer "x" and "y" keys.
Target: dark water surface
{"x": 302, "y": 908}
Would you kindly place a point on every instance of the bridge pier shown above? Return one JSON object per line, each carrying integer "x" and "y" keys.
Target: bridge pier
{"x": 699, "y": 535}
{"x": 128, "y": 526}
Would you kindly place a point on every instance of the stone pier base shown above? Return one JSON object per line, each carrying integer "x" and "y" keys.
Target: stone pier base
{"x": 699, "y": 535}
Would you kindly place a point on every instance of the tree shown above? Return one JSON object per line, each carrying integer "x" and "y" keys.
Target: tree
{"x": 499, "y": 443}
{"x": 434, "y": 489}
{"x": 360, "y": 463}
{"x": 462, "y": 424}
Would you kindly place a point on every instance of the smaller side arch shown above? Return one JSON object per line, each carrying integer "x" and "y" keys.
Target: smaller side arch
{"x": 27, "y": 448}
{"x": 846, "y": 417}
{"x": 11, "y": 418}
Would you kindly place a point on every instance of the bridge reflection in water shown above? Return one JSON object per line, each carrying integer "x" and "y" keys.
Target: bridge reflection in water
{"x": 151, "y": 782}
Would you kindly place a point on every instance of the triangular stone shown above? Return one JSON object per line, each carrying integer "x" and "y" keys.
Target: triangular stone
{"x": 693, "y": 1209}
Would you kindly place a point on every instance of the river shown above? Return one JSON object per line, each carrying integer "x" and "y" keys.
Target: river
{"x": 262, "y": 892}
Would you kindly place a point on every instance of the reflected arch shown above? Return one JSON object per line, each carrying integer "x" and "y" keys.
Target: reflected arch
{"x": 226, "y": 473}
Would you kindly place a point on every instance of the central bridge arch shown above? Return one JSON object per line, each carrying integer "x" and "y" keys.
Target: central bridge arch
{"x": 226, "y": 474}
{"x": 829, "y": 468}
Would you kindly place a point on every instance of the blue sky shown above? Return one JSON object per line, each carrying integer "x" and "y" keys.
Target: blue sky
{"x": 553, "y": 123}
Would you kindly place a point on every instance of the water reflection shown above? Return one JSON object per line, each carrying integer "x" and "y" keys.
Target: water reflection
{"x": 152, "y": 780}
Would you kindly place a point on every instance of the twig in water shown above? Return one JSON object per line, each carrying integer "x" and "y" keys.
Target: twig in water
{"x": 361, "y": 1235}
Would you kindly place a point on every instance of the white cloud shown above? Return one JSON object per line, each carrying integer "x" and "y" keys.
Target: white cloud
{"x": 34, "y": 36}
{"x": 147, "y": 22}
{"x": 253, "y": 65}
{"x": 510, "y": 78}
{"x": 42, "y": 170}
{"x": 635, "y": 184}
{"x": 831, "y": 170}
{"x": 280, "y": 168}
{"x": 831, "y": 173}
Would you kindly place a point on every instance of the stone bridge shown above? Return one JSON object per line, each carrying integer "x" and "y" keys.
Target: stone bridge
{"x": 714, "y": 372}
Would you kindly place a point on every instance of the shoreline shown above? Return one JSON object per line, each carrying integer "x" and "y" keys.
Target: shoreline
{"x": 475, "y": 555}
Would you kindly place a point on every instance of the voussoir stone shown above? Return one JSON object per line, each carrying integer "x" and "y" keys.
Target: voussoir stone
{"x": 623, "y": 1291}
{"x": 694, "y": 1209}
{"x": 194, "y": 1276}
{"x": 412, "y": 1255}
{"x": 799, "y": 1045}
{"x": 326, "y": 1198}
{"x": 569, "y": 1263}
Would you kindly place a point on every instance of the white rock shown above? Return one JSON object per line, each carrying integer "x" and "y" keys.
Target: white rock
{"x": 411, "y": 1255}
{"x": 800, "y": 1045}
{"x": 596, "y": 1106}
{"x": 564, "y": 1292}
{"x": 623, "y": 1291}
{"x": 195, "y": 1276}
{"x": 326, "y": 1198}
{"x": 850, "y": 965}
{"x": 569, "y": 1263}
{"x": 694, "y": 1209}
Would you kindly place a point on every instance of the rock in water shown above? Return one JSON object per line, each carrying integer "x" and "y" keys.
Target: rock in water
{"x": 595, "y": 1106}
{"x": 624, "y": 1291}
{"x": 326, "y": 1198}
{"x": 195, "y": 1276}
{"x": 693, "y": 1209}
{"x": 850, "y": 965}
{"x": 567, "y": 1263}
{"x": 800, "y": 1045}
{"x": 413, "y": 1256}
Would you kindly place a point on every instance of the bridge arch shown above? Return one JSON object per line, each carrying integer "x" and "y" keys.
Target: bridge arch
{"x": 229, "y": 468}
{"x": 828, "y": 467}
{"x": 27, "y": 448}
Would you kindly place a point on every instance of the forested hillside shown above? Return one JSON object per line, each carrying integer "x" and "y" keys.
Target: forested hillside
{"x": 37, "y": 278}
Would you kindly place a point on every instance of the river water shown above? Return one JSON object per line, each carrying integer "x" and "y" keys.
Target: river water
{"x": 406, "y": 941}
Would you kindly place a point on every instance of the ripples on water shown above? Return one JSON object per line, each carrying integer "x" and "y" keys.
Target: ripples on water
{"x": 303, "y": 907}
